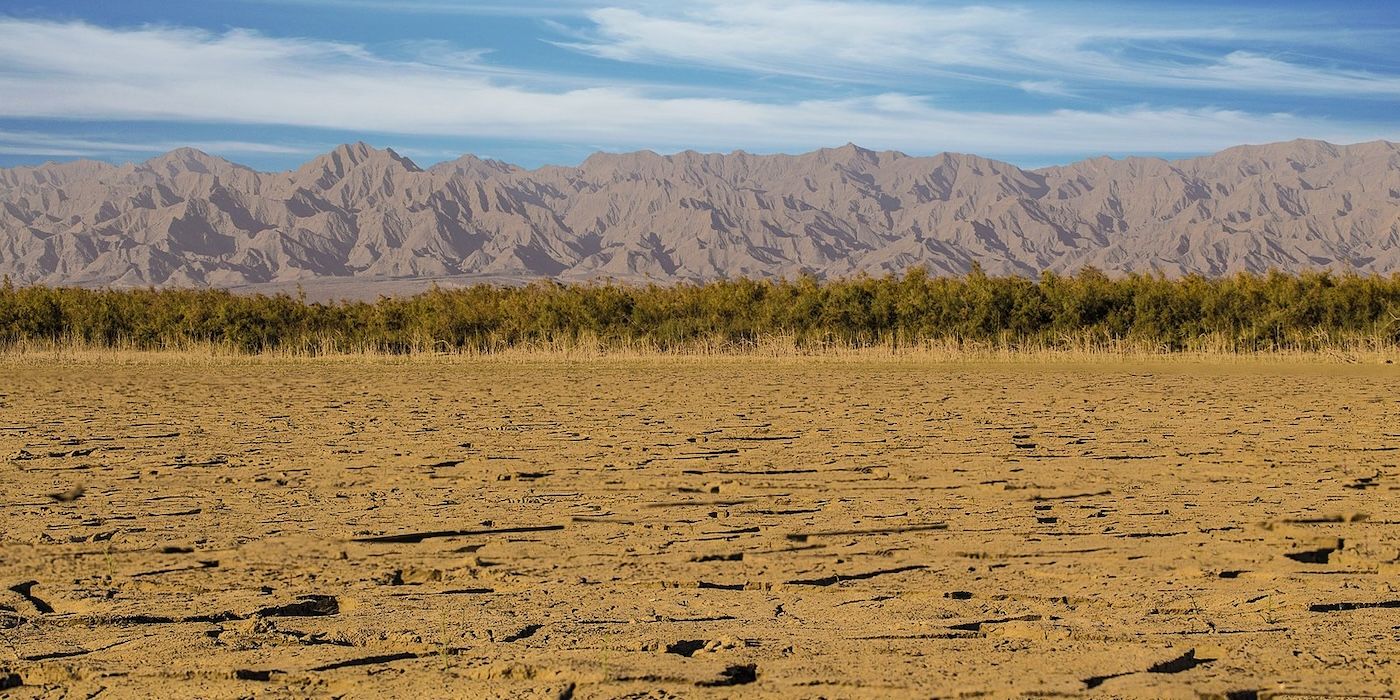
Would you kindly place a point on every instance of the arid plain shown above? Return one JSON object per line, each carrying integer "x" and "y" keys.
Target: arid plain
{"x": 699, "y": 527}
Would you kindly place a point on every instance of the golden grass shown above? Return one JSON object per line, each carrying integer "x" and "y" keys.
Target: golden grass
{"x": 1352, "y": 351}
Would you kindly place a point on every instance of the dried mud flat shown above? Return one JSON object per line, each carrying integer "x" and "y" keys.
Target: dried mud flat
{"x": 669, "y": 528}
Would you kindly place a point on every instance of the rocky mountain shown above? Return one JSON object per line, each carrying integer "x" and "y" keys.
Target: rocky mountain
{"x": 358, "y": 213}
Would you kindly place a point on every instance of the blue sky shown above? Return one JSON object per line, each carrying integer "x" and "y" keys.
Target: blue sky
{"x": 271, "y": 83}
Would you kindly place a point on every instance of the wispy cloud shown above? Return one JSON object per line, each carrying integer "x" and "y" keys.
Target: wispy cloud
{"x": 46, "y": 144}
{"x": 893, "y": 42}
{"x": 1045, "y": 87}
{"x": 553, "y": 8}
{"x": 82, "y": 71}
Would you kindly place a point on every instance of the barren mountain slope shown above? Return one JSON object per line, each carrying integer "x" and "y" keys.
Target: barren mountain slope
{"x": 188, "y": 218}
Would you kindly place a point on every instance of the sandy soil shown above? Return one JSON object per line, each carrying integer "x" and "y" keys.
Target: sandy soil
{"x": 664, "y": 528}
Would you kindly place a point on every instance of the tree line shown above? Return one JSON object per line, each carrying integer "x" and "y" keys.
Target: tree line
{"x": 1243, "y": 313}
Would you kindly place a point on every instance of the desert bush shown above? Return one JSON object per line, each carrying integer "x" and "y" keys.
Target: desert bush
{"x": 1243, "y": 313}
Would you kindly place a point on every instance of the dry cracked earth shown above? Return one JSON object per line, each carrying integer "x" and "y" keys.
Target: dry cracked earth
{"x": 699, "y": 529}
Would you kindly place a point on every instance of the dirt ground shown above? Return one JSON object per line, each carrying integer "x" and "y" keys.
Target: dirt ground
{"x": 672, "y": 528}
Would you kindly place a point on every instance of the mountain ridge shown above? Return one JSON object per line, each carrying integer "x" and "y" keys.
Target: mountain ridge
{"x": 188, "y": 218}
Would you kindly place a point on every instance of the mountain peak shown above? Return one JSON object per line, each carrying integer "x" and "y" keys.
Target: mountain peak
{"x": 327, "y": 169}
{"x": 474, "y": 166}
{"x": 348, "y": 155}
{"x": 849, "y": 150}
{"x": 362, "y": 212}
{"x": 850, "y": 154}
{"x": 1297, "y": 148}
{"x": 188, "y": 160}
{"x": 404, "y": 161}
{"x": 604, "y": 159}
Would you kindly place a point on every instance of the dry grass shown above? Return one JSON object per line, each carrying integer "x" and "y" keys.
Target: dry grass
{"x": 1355, "y": 350}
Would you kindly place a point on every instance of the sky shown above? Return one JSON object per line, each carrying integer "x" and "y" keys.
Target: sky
{"x": 272, "y": 83}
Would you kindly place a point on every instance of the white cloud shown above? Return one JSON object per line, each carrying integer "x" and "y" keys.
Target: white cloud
{"x": 1246, "y": 70}
{"x": 46, "y": 144}
{"x": 1045, "y": 87}
{"x": 893, "y": 42}
{"x": 81, "y": 71}
{"x": 528, "y": 8}
{"x": 810, "y": 38}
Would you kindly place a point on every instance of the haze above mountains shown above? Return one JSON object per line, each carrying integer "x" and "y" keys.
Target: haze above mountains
{"x": 361, "y": 216}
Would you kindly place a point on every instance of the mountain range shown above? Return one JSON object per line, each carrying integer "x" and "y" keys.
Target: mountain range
{"x": 361, "y": 215}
